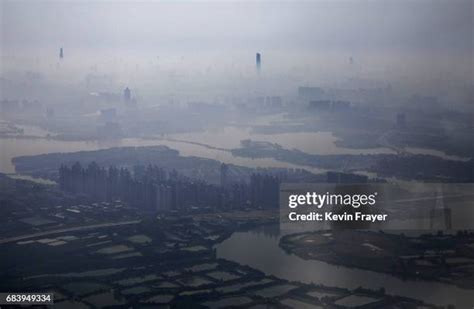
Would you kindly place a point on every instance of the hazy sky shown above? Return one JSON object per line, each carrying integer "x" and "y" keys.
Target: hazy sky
{"x": 424, "y": 44}
{"x": 444, "y": 26}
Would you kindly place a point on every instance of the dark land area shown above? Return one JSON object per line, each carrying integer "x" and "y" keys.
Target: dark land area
{"x": 135, "y": 258}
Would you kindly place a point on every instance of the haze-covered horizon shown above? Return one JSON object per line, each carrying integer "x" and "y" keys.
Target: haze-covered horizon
{"x": 210, "y": 46}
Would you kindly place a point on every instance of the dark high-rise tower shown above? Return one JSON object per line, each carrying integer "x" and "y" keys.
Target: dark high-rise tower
{"x": 224, "y": 175}
{"x": 61, "y": 55}
{"x": 258, "y": 59}
{"x": 127, "y": 95}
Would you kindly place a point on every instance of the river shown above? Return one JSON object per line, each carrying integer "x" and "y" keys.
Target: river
{"x": 14, "y": 147}
{"x": 259, "y": 249}
{"x": 192, "y": 144}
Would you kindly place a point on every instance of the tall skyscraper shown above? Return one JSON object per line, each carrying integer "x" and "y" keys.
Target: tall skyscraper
{"x": 224, "y": 175}
{"x": 61, "y": 54}
{"x": 127, "y": 95}
{"x": 258, "y": 59}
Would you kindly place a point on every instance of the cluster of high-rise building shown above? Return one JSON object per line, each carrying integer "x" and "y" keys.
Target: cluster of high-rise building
{"x": 155, "y": 189}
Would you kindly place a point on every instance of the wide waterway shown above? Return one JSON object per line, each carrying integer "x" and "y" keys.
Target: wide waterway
{"x": 14, "y": 147}
{"x": 193, "y": 144}
{"x": 259, "y": 248}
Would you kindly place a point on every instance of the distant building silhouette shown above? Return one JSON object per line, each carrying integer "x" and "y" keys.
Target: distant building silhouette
{"x": 258, "y": 60}
{"x": 311, "y": 93}
{"x": 440, "y": 209}
{"x": 61, "y": 53}
{"x": 152, "y": 188}
{"x": 224, "y": 175}
{"x": 127, "y": 95}
{"x": 264, "y": 191}
{"x": 164, "y": 197}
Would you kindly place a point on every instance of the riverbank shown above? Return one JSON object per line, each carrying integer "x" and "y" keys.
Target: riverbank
{"x": 443, "y": 258}
{"x": 264, "y": 243}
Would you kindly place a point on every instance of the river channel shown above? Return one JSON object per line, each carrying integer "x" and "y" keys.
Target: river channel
{"x": 259, "y": 249}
